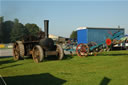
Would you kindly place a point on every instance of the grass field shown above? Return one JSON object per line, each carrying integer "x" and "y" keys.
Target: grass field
{"x": 108, "y": 68}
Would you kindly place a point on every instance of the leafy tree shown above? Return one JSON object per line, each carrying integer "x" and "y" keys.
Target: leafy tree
{"x": 18, "y": 31}
{"x": 1, "y": 19}
{"x": 31, "y": 29}
{"x": 7, "y": 27}
{"x": 73, "y": 35}
{"x": 1, "y": 26}
{"x": 11, "y": 31}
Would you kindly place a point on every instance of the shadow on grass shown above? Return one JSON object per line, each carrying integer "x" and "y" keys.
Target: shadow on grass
{"x": 115, "y": 54}
{"x": 35, "y": 79}
{"x": 7, "y": 61}
{"x": 105, "y": 81}
{"x": 10, "y": 66}
{"x": 68, "y": 57}
{"x": 5, "y": 57}
{"x": 50, "y": 58}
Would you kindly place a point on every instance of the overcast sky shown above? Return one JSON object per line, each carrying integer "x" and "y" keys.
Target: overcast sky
{"x": 65, "y": 16}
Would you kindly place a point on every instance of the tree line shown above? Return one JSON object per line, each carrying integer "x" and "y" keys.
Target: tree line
{"x": 11, "y": 31}
{"x": 73, "y": 35}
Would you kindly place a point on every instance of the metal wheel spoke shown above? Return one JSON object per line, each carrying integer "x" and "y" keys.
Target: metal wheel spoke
{"x": 82, "y": 50}
{"x": 37, "y": 54}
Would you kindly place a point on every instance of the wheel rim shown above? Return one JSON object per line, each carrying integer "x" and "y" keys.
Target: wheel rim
{"x": 16, "y": 52}
{"x": 108, "y": 41}
{"x": 82, "y": 50}
{"x": 60, "y": 52}
{"x": 36, "y": 55}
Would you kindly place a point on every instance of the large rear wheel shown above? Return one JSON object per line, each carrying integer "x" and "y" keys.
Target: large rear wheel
{"x": 38, "y": 54}
{"x": 18, "y": 50}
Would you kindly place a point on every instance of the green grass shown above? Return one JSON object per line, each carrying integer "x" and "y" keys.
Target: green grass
{"x": 108, "y": 68}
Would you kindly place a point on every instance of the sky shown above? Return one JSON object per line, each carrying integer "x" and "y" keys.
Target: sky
{"x": 67, "y": 15}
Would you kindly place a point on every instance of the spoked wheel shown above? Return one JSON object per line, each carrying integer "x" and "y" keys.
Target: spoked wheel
{"x": 60, "y": 52}
{"x": 82, "y": 50}
{"x": 18, "y": 50}
{"x": 38, "y": 54}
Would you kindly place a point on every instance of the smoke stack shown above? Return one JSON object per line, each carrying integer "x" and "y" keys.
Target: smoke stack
{"x": 46, "y": 23}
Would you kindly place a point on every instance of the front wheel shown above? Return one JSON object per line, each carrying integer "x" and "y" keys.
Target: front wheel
{"x": 82, "y": 50}
{"x": 60, "y": 52}
{"x": 38, "y": 54}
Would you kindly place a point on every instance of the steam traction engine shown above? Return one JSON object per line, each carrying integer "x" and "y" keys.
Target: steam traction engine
{"x": 38, "y": 47}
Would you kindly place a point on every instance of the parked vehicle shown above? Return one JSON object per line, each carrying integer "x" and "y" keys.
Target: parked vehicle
{"x": 38, "y": 47}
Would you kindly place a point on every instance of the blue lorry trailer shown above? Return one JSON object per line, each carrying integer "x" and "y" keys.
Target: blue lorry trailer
{"x": 95, "y": 34}
{"x": 92, "y": 40}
